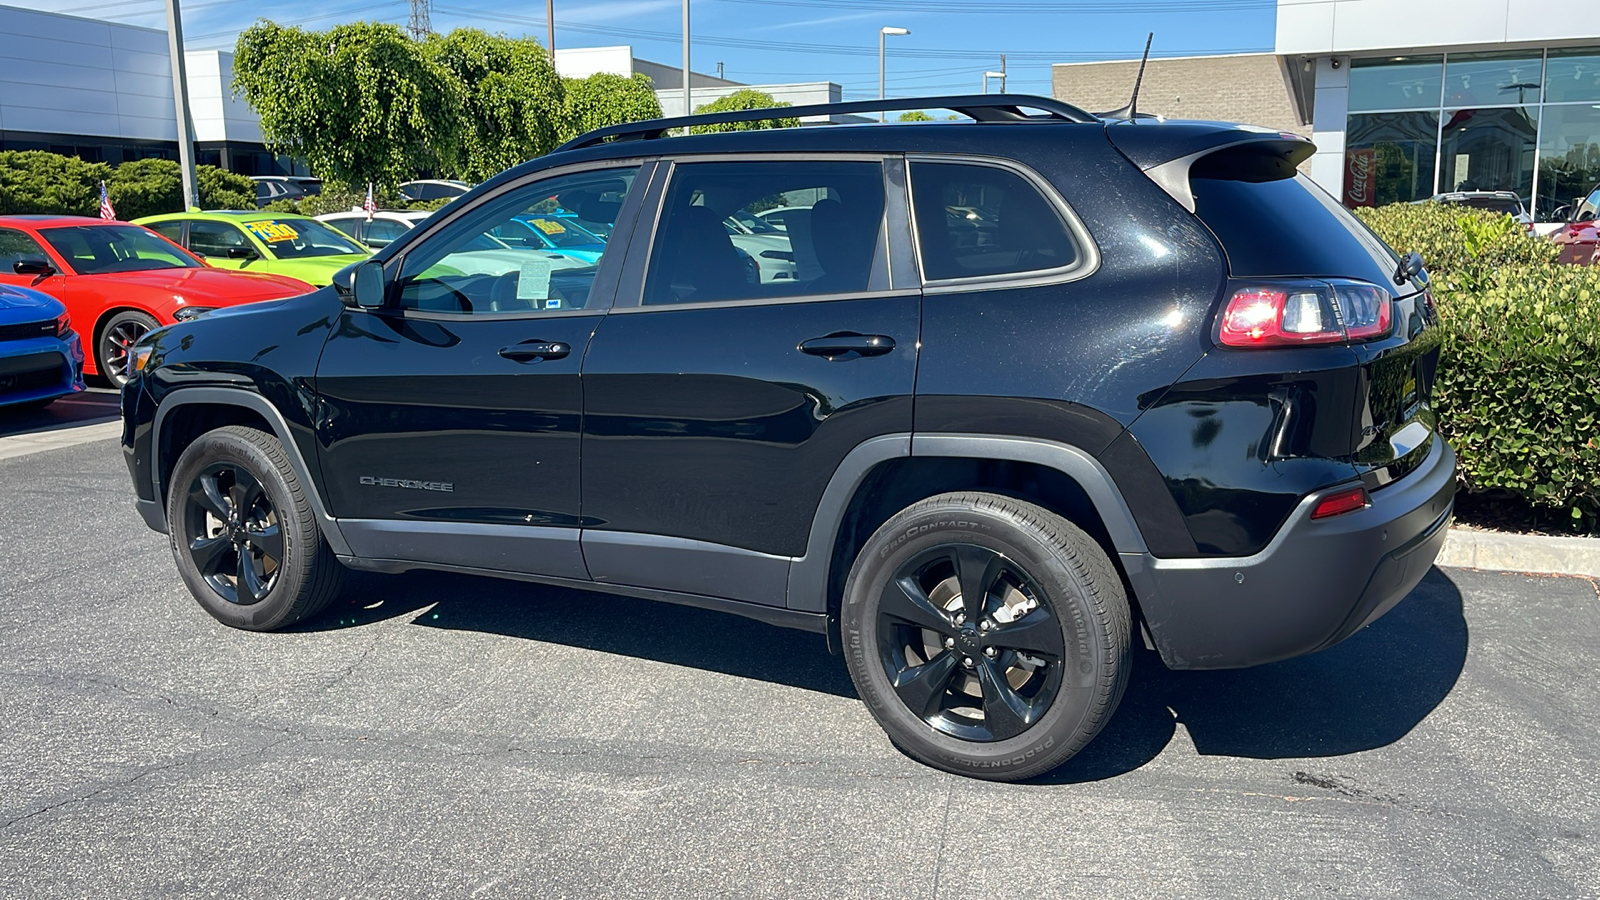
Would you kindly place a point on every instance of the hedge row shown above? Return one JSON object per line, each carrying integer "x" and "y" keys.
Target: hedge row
{"x": 34, "y": 181}
{"x": 1517, "y": 396}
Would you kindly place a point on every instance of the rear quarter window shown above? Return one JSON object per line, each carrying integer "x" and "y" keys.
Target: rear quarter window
{"x": 1287, "y": 227}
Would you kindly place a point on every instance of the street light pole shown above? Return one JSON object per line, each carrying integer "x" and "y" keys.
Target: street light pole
{"x": 882, "y": 32}
{"x": 688, "y": 106}
{"x": 550, "y": 26}
{"x": 180, "y": 101}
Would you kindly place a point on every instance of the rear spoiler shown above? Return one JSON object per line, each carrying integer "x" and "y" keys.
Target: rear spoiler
{"x": 1170, "y": 153}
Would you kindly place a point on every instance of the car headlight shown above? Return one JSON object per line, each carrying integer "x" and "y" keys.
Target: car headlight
{"x": 63, "y": 324}
{"x": 185, "y": 313}
{"x": 137, "y": 357}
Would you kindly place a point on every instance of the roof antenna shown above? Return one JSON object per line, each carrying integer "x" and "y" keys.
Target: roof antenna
{"x": 1131, "y": 111}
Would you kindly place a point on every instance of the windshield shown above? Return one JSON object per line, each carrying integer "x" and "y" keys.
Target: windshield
{"x": 103, "y": 249}
{"x": 561, "y": 232}
{"x": 301, "y": 238}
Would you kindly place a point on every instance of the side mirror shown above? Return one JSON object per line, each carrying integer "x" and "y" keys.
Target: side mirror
{"x": 242, "y": 253}
{"x": 367, "y": 284}
{"x": 33, "y": 266}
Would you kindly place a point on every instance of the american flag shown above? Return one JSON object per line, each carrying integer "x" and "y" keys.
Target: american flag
{"x": 106, "y": 212}
{"x": 370, "y": 206}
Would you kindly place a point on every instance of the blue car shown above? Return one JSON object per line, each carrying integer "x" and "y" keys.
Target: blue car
{"x": 41, "y": 357}
{"x": 551, "y": 232}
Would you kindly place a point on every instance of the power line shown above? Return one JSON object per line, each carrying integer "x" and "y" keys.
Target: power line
{"x": 421, "y": 22}
{"x": 1095, "y": 7}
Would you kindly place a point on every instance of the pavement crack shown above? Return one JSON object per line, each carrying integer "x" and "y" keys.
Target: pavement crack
{"x": 81, "y": 797}
{"x": 944, "y": 835}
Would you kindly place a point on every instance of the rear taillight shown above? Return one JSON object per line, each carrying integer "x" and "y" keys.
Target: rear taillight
{"x": 1341, "y": 502}
{"x": 1284, "y": 314}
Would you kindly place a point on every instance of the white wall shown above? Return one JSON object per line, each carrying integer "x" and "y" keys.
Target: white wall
{"x": 802, "y": 94}
{"x": 217, "y": 114}
{"x": 1345, "y": 26}
{"x": 67, "y": 75}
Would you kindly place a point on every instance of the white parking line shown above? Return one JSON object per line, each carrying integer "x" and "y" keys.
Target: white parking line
{"x": 36, "y": 442}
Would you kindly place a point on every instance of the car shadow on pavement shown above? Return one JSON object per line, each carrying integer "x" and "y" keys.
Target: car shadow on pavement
{"x": 1364, "y": 693}
{"x": 593, "y": 620}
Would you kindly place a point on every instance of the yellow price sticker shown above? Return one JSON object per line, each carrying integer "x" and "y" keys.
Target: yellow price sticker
{"x": 549, "y": 226}
{"x": 272, "y": 232}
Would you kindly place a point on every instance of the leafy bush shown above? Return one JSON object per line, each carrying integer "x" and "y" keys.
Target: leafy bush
{"x": 606, "y": 99}
{"x": 741, "y": 100}
{"x": 1460, "y": 246}
{"x": 33, "y": 181}
{"x": 1517, "y": 394}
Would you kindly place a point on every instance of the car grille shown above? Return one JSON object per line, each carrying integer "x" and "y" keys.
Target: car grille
{"x": 23, "y": 382}
{"x": 28, "y": 330}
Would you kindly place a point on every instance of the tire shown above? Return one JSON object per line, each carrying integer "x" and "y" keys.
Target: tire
{"x": 1051, "y": 611}
{"x": 266, "y": 567}
{"x": 111, "y": 347}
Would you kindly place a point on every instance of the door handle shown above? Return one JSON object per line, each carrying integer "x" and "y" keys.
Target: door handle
{"x": 529, "y": 351}
{"x": 844, "y": 343}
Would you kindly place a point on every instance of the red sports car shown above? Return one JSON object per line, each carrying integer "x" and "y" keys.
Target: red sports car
{"x": 119, "y": 281}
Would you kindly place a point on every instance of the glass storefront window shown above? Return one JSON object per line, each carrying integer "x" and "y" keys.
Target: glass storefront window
{"x": 1492, "y": 79}
{"x": 1395, "y": 82}
{"x": 1389, "y": 157}
{"x": 1489, "y": 150}
{"x": 1569, "y": 156}
{"x": 1572, "y": 75}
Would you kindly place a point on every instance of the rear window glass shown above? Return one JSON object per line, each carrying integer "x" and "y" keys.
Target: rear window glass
{"x": 1289, "y": 227}
{"x": 1492, "y": 204}
{"x": 975, "y": 220}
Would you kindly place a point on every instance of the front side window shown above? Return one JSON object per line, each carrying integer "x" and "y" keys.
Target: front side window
{"x": 383, "y": 232}
{"x": 833, "y": 243}
{"x": 104, "y": 249}
{"x": 463, "y": 268}
{"x": 16, "y": 246}
{"x": 215, "y": 239}
{"x": 976, "y": 220}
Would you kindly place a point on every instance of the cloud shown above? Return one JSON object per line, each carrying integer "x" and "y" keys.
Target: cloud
{"x": 590, "y": 13}
{"x": 829, "y": 20}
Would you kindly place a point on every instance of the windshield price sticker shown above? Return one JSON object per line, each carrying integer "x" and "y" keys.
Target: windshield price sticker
{"x": 549, "y": 226}
{"x": 272, "y": 232}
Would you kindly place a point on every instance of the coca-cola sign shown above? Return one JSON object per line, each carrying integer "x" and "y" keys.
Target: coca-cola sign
{"x": 1360, "y": 177}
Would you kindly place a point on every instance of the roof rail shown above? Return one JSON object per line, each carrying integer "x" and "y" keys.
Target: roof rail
{"x": 981, "y": 107}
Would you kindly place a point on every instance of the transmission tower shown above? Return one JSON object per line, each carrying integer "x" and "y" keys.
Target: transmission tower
{"x": 421, "y": 24}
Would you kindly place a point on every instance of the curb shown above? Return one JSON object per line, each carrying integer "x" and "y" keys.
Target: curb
{"x": 1534, "y": 553}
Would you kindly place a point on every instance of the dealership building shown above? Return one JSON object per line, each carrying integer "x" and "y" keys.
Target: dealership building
{"x": 1403, "y": 98}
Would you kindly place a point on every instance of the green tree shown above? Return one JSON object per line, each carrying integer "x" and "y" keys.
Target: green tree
{"x": 915, "y": 115}
{"x": 605, "y": 99}
{"x": 511, "y": 99}
{"x": 360, "y": 102}
{"x": 740, "y": 100}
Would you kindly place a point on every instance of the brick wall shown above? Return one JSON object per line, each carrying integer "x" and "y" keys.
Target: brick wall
{"x": 1249, "y": 88}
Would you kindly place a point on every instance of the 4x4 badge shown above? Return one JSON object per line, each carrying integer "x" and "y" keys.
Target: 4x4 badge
{"x": 446, "y": 486}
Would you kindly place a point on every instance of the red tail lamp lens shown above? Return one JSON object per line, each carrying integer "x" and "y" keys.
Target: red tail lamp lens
{"x": 1340, "y": 503}
{"x": 1292, "y": 313}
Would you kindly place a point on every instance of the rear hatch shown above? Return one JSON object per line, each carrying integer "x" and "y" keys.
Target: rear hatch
{"x": 1281, "y": 231}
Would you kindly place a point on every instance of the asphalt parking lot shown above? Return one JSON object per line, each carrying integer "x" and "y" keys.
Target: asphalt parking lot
{"x": 444, "y": 736}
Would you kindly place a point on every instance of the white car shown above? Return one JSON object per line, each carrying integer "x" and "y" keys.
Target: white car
{"x": 771, "y": 250}
{"x": 484, "y": 255}
{"x": 433, "y": 189}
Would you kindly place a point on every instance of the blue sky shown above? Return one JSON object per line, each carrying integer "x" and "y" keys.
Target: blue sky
{"x": 952, "y": 42}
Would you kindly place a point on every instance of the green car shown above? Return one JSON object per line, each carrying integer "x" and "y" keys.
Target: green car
{"x": 261, "y": 241}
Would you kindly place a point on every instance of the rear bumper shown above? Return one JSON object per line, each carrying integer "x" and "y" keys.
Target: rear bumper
{"x": 1315, "y": 584}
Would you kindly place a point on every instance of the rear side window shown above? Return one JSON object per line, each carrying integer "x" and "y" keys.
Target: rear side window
{"x": 1287, "y": 227}
{"x": 172, "y": 231}
{"x": 832, "y": 242}
{"x": 983, "y": 221}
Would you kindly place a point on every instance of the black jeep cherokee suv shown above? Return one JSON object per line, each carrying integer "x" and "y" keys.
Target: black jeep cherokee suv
{"x": 995, "y": 394}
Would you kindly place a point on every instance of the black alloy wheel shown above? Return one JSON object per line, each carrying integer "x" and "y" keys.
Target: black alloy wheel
{"x": 244, "y": 534}
{"x": 988, "y": 636}
{"x": 116, "y": 343}
{"x": 234, "y": 538}
{"x": 969, "y": 644}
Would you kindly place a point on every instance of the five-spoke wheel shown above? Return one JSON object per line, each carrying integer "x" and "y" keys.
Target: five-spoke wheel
{"x": 988, "y": 636}
{"x": 244, "y": 534}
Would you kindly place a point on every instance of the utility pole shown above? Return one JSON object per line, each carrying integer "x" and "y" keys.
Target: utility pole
{"x": 421, "y": 23}
{"x": 180, "y": 101}
{"x": 1002, "y": 73}
{"x": 688, "y": 105}
{"x": 550, "y": 26}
